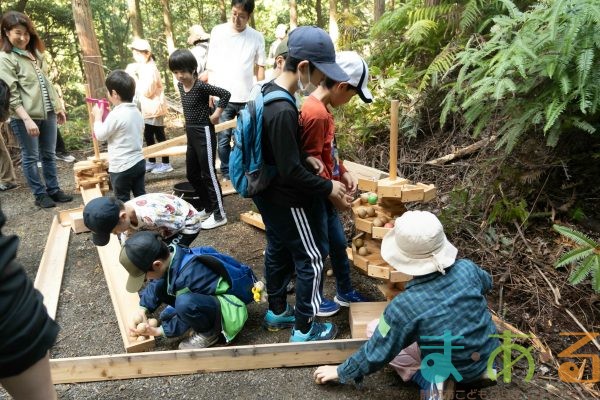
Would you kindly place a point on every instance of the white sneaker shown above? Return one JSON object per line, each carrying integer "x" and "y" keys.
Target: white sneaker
{"x": 150, "y": 166}
{"x": 64, "y": 157}
{"x": 211, "y": 222}
{"x": 203, "y": 215}
{"x": 162, "y": 169}
{"x": 199, "y": 341}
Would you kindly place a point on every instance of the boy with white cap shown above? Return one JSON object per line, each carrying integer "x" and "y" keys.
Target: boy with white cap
{"x": 318, "y": 140}
{"x": 292, "y": 206}
{"x": 444, "y": 300}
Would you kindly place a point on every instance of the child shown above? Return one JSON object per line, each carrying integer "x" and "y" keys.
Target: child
{"x": 195, "y": 293}
{"x": 122, "y": 129}
{"x": 318, "y": 140}
{"x": 445, "y": 295}
{"x": 292, "y": 206}
{"x": 175, "y": 219}
{"x": 200, "y": 131}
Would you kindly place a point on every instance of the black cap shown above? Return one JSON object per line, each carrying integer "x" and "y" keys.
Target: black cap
{"x": 101, "y": 215}
{"x": 315, "y": 45}
{"x": 137, "y": 255}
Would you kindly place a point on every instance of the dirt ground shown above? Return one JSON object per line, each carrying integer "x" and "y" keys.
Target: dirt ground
{"x": 89, "y": 327}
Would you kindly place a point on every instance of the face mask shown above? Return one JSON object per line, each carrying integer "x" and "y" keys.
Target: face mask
{"x": 308, "y": 88}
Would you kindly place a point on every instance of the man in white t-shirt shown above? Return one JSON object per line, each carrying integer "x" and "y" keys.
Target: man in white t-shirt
{"x": 235, "y": 49}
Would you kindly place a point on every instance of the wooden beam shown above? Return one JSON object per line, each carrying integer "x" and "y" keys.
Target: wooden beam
{"x": 181, "y": 362}
{"x": 52, "y": 265}
{"x": 364, "y": 172}
{"x": 124, "y": 303}
{"x": 363, "y": 313}
{"x": 74, "y": 219}
{"x": 253, "y": 218}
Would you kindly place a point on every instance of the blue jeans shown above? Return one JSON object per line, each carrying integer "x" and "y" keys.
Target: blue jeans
{"x": 34, "y": 149}
{"x": 224, "y": 137}
{"x": 296, "y": 239}
{"x": 337, "y": 249}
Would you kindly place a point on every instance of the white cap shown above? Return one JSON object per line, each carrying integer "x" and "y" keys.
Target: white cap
{"x": 140, "y": 45}
{"x": 357, "y": 69}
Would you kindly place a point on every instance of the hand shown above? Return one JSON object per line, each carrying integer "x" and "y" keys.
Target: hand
{"x": 148, "y": 331}
{"x": 61, "y": 117}
{"x": 214, "y": 118}
{"x": 338, "y": 191}
{"x": 32, "y": 128}
{"x": 97, "y": 112}
{"x": 348, "y": 180}
{"x": 315, "y": 164}
{"x": 342, "y": 204}
{"x": 326, "y": 373}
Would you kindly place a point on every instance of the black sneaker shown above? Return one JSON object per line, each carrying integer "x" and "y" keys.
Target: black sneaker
{"x": 61, "y": 197}
{"x": 44, "y": 201}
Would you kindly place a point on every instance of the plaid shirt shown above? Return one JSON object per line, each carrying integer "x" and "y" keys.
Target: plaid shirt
{"x": 430, "y": 305}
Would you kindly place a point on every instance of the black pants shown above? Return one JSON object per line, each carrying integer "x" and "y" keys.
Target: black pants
{"x": 200, "y": 168}
{"x": 131, "y": 180}
{"x": 150, "y": 133}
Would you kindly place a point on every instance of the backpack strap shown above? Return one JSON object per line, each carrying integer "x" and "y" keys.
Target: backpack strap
{"x": 279, "y": 95}
{"x": 215, "y": 265}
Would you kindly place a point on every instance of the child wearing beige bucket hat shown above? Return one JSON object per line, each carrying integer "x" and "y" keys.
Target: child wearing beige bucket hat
{"x": 443, "y": 310}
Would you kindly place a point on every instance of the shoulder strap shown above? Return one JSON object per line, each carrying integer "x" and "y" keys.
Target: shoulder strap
{"x": 279, "y": 95}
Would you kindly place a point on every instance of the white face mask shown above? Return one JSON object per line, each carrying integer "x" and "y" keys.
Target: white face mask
{"x": 308, "y": 88}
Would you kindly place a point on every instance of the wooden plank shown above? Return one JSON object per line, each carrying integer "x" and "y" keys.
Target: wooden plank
{"x": 363, "y": 313}
{"x": 363, "y": 171}
{"x": 367, "y": 185}
{"x": 253, "y": 219}
{"x": 180, "y": 362}
{"x": 125, "y": 304}
{"x": 172, "y": 151}
{"x": 227, "y": 188}
{"x": 73, "y": 218}
{"x": 397, "y": 276}
{"x": 379, "y": 232}
{"x": 52, "y": 265}
{"x": 389, "y": 289}
{"x": 412, "y": 193}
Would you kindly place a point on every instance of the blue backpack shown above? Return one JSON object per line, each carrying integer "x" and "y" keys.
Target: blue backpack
{"x": 240, "y": 277}
{"x": 248, "y": 172}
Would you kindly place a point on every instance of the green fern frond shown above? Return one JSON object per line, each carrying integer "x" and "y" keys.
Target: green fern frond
{"x": 580, "y": 272}
{"x": 440, "y": 65}
{"x": 565, "y": 84}
{"x": 575, "y": 236}
{"x": 583, "y": 125}
{"x": 596, "y": 279}
{"x": 420, "y": 31}
{"x": 470, "y": 15}
{"x": 584, "y": 63}
{"x": 553, "y": 111}
{"x": 573, "y": 256}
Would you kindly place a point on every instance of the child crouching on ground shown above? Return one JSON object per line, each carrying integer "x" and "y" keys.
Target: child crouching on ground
{"x": 197, "y": 296}
{"x": 122, "y": 129}
{"x": 443, "y": 305}
{"x": 176, "y": 220}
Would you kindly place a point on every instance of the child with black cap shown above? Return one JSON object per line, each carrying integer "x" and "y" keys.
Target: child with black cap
{"x": 292, "y": 206}
{"x": 197, "y": 296}
{"x": 176, "y": 220}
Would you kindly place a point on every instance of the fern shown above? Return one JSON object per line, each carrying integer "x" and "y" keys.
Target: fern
{"x": 585, "y": 257}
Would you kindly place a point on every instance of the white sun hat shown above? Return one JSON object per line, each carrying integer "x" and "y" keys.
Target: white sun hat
{"x": 417, "y": 245}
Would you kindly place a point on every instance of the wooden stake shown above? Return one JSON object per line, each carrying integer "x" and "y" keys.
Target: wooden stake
{"x": 394, "y": 140}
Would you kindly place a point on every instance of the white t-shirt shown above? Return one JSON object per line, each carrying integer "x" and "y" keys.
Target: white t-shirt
{"x": 123, "y": 129}
{"x": 231, "y": 59}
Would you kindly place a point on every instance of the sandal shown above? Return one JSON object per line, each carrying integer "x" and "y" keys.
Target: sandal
{"x": 7, "y": 186}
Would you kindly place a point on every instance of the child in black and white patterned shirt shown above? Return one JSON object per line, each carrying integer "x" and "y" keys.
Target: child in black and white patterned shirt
{"x": 200, "y": 131}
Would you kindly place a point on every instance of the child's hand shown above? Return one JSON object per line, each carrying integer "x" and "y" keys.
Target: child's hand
{"x": 138, "y": 317}
{"x": 348, "y": 180}
{"x": 326, "y": 373}
{"x": 97, "y": 113}
{"x": 315, "y": 164}
{"x": 338, "y": 191}
{"x": 342, "y": 204}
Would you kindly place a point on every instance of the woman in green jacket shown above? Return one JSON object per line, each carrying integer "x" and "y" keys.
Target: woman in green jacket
{"x": 34, "y": 105}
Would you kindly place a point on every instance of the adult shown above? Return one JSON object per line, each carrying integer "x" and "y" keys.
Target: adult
{"x": 149, "y": 93}
{"x": 8, "y": 179}
{"x": 199, "y": 39}
{"x": 235, "y": 50}
{"x": 280, "y": 33}
{"x": 34, "y": 105}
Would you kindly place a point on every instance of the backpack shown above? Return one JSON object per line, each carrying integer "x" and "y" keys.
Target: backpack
{"x": 240, "y": 277}
{"x": 248, "y": 172}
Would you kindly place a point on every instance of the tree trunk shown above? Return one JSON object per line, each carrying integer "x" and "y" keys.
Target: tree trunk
{"x": 135, "y": 16}
{"x": 379, "y": 9}
{"x": 168, "y": 26}
{"x": 223, "y": 9}
{"x": 334, "y": 30}
{"x": 319, "y": 10}
{"x": 293, "y": 14}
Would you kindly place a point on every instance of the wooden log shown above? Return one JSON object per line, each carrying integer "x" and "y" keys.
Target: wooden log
{"x": 52, "y": 265}
{"x": 363, "y": 313}
{"x": 181, "y": 362}
{"x": 462, "y": 152}
{"x": 394, "y": 139}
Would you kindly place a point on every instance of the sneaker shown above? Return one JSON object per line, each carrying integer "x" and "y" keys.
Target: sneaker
{"x": 199, "y": 341}
{"x": 64, "y": 157}
{"x": 150, "y": 166}
{"x": 318, "y": 331}
{"x": 44, "y": 201}
{"x": 328, "y": 308}
{"x": 61, "y": 197}
{"x": 162, "y": 169}
{"x": 203, "y": 215}
{"x": 276, "y": 322}
{"x": 7, "y": 186}
{"x": 211, "y": 222}
{"x": 353, "y": 296}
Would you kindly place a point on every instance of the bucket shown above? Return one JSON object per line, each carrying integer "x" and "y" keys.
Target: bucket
{"x": 186, "y": 191}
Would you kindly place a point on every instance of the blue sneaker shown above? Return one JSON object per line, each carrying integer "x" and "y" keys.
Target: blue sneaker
{"x": 353, "y": 296}
{"x": 327, "y": 308}
{"x": 318, "y": 331}
{"x": 276, "y": 322}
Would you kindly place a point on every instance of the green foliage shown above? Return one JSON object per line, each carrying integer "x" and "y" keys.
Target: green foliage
{"x": 585, "y": 257}
{"x": 539, "y": 71}
{"x": 507, "y": 210}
